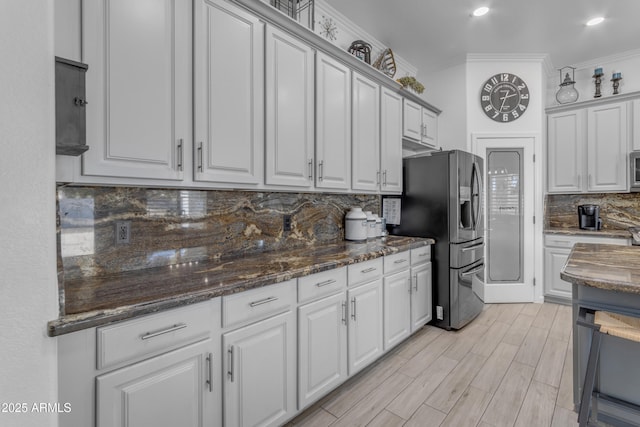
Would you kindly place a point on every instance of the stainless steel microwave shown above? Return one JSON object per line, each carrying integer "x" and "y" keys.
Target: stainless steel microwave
{"x": 634, "y": 169}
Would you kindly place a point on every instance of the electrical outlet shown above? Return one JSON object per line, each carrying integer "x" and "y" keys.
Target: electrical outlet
{"x": 123, "y": 232}
{"x": 286, "y": 222}
{"x": 439, "y": 312}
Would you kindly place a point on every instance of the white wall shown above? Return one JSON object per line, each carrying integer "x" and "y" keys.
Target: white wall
{"x": 628, "y": 63}
{"x": 28, "y": 362}
{"x": 447, "y": 89}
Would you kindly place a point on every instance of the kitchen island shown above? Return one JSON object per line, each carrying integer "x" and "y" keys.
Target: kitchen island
{"x": 606, "y": 277}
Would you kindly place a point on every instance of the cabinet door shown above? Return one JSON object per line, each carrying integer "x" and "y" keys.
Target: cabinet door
{"x": 607, "y": 145}
{"x": 391, "y": 141}
{"x": 566, "y": 161}
{"x": 429, "y": 128}
{"x": 397, "y": 305}
{"x": 179, "y": 388}
{"x": 421, "y": 296}
{"x": 412, "y": 121}
{"x": 138, "y": 87}
{"x": 365, "y": 134}
{"x": 365, "y": 325}
{"x": 229, "y": 94}
{"x": 333, "y": 123}
{"x": 554, "y": 260}
{"x": 290, "y": 110}
{"x": 322, "y": 347}
{"x": 260, "y": 372}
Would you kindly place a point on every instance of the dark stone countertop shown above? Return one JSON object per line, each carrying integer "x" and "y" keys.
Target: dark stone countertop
{"x": 95, "y": 301}
{"x": 575, "y": 231}
{"x": 608, "y": 267}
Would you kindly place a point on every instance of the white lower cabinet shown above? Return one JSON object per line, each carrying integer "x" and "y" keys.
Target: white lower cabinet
{"x": 322, "y": 347}
{"x": 421, "y": 295}
{"x": 397, "y": 315}
{"x": 259, "y": 369}
{"x": 365, "y": 325}
{"x": 173, "y": 389}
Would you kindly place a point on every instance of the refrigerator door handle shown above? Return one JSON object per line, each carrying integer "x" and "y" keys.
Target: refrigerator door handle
{"x": 472, "y": 247}
{"x": 475, "y": 193}
{"x": 473, "y": 271}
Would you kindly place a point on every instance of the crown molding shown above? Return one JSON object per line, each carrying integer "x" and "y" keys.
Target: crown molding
{"x": 621, "y": 56}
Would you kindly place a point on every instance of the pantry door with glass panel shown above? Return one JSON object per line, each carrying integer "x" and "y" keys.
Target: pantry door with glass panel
{"x": 509, "y": 224}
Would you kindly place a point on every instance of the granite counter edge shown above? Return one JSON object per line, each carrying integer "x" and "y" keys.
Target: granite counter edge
{"x": 76, "y": 322}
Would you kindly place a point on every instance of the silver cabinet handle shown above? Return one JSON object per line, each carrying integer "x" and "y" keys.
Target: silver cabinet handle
{"x": 209, "y": 381}
{"x": 415, "y": 283}
{"x": 384, "y": 177}
{"x": 344, "y": 312}
{"x": 173, "y": 328}
{"x": 353, "y": 308}
{"x": 400, "y": 261}
{"x": 262, "y": 301}
{"x": 180, "y": 153}
{"x": 230, "y": 370}
{"x": 325, "y": 283}
{"x": 423, "y": 254}
{"x": 378, "y": 177}
{"x": 368, "y": 270}
{"x": 320, "y": 170}
{"x": 310, "y": 164}
{"x": 200, "y": 157}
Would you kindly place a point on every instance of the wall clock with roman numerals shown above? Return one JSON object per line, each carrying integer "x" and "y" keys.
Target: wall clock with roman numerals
{"x": 504, "y": 97}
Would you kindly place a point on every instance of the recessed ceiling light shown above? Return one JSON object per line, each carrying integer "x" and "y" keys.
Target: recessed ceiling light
{"x": 595, "y": 21}
{"x": 481, "y": 11}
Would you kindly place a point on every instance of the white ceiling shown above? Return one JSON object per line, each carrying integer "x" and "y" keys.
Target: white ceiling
{"x": 436, "y": 34}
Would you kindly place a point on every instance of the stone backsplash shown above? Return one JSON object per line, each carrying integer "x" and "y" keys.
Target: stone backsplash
{"x": 171, "y": 226}
{"x": 618, "y": 211}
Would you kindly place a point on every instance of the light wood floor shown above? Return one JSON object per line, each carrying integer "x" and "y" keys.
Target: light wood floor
{"x": 512, "y": 366}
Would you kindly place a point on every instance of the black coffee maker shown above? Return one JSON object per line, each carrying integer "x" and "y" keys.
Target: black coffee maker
{"x": 589, "y": 217}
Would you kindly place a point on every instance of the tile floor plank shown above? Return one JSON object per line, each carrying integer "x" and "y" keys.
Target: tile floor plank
{"x": 491, "y": 374}
{"x": 386, "y": 419}
{"x": 466, "y": 338}
{"x": 412, "y": 397}
{"x": 426, "y": 416}
{"x": 469, "y": 408}
{"x": 532, "y": 346}
{"x": 490, "y": 340}
{"x": 538, "y": 406}
{"x": 518, "y": 330}
{"x": 421, "y": 361}
{"x": 546, "y": 315}
{"x": 504, "y": 407}
{"x": 549, "y": 368}
{"x": 456, "y": 383}
{"x": 565, "y": 391}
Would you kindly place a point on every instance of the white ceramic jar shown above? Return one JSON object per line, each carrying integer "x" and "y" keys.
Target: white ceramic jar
{"x": 355, "y": 225}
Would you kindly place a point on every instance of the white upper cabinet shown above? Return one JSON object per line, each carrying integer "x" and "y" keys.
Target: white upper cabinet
{"x": 607, "y": 147}
{"x": 391, "y": 141}
{"x": 565, "y": 153}
{"x": 289, "y": 110}
{"x": 412, "y": 123}
{"x": 429, "y": 128}
{"x": 333, "y": 123}
{"x": 229, "y": 94}
{"x": 635, "y": 124}
{"x": 365, "y": 164}
{"x": 138, "y": 87}
{"x": 588, "y": 148}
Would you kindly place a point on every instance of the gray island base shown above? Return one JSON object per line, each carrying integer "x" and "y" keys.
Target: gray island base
{"x": 607, "y": 277}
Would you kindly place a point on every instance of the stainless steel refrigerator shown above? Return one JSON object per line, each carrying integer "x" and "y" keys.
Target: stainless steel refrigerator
{"x": 442, "y": 198}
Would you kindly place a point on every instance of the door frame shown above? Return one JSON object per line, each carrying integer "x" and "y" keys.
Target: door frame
{"x": 477, "y": 139}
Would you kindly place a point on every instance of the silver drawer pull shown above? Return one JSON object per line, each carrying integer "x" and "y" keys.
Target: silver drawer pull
{"x": 209, "y": 381}
{"x": 400, "y": 261}
{"x": 423, "y": 254}
{"x": 472, "y": 272}
{"x": 325, "y": 283}
{"x": 472, "y": 247}
{"x": 368, "y": 270}
{"x": 263, "y": 301}
{"x": 173, "y": 328}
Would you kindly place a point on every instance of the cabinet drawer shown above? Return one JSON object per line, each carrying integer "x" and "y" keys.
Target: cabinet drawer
{"x": 364, "y": 271}
{"x": 154, "y": 334}
{"x": 396, "y": 262}
{"x": 321, "y": 284}
{"x": 420, "y": 255}
{"x": 257, "y": 304}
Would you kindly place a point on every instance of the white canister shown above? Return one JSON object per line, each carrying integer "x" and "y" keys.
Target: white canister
{"x": 371, "y": 225}
{"x": 378, "y": 226}
{"x": 355, "y": 225}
